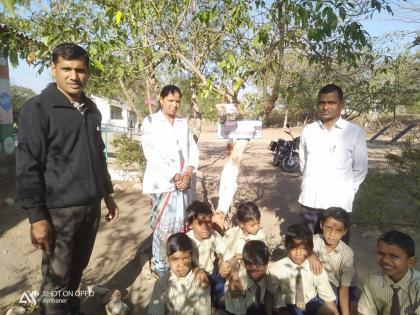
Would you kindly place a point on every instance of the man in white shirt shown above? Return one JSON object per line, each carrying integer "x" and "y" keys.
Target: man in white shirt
{"x": 333, "y": 160}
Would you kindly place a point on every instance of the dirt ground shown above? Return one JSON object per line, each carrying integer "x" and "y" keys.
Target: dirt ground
{"x": 120, "y": 259}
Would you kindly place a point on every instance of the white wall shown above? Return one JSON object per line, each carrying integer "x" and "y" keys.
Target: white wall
{"x": 105, "y": 109}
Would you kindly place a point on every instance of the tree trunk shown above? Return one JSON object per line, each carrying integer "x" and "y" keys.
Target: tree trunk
{"x": 196, "y": 113}
{"x": 152, "y": 90}
{"x": 149, "y": 105}
{"x": 270, "y": 100}
{"x": 285, "y": 118}
{"x": 130, "y": 100}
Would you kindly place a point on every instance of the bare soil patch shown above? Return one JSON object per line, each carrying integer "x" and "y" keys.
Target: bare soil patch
{"x": 121, "y": 255}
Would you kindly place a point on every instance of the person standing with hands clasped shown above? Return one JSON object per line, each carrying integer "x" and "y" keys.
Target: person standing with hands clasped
{"x": 333, "y": 160}
{"x": 62, "y": 177}
{"x": 172, "y": 157}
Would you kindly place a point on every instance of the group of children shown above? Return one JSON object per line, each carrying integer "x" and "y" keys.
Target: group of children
{"x": 211, "y": 274}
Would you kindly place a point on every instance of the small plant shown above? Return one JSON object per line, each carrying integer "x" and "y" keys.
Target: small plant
{"x": 407, "y": 167}
{"x": 129, "y": 153}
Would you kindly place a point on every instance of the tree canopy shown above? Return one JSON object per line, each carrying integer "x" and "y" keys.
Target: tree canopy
{"x": 20, "y": 95}
{"x": 214, "y": 49}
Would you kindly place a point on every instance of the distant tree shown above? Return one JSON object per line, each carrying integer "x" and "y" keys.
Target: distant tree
{"x": 20, "y": 95}
{"x": 396, "y": 84}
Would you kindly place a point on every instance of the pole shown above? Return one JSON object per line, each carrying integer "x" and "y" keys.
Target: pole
{"x": 7, "y": 141}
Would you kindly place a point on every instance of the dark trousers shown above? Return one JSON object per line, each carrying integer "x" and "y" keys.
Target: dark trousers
{"x": 74, "y": 233}
{"x": 311, "y": 217}
{"x": 253, "y": 310}
{"x": 352, "y": 295}
{"x": 311, "y": 308}
{"x": 217, "y": 288}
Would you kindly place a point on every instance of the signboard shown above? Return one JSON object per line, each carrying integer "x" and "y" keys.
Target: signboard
{"x": 7, "y": 143}
{"x": 240, "y": 129}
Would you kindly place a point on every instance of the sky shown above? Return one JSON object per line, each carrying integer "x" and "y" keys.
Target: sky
{"x": 405, "y": 19}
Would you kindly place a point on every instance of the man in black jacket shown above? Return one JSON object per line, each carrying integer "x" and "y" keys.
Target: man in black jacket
{"x": 62, "y": 177}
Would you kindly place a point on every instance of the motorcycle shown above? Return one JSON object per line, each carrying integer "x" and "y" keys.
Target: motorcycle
{"x": 286, "y": 152}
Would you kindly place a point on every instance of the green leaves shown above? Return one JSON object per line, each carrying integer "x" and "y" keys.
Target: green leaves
{"x": 220, "y": 45}
{"x": 9, "y": 5}
{"x": 98, "y": 65}
{"x": 342, "y": 13}
{"x": 118, "y": 17}
{"x": 13, "y": 57}
{"x": 206, "y": 16}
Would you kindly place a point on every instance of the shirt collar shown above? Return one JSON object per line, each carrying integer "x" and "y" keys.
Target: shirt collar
{"x": 338, "y": 124}
{"x": 80, "y": 106}
{"x": 190, "y": 233}
{"x": 404, "y": 283}
{"x": 174, "y": 277}
{"x": 161, "y": 116}
{"x": 305, "y": 266}
{"x": 246, "y": 281}
{"x": 249, "y": 236}
{"x": 57, "y": 98}
{"x": 336, "y": 250}
{"x": 242, "y": 234}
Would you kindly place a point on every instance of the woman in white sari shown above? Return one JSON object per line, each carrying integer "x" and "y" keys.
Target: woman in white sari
{"x": 172, "y": 158}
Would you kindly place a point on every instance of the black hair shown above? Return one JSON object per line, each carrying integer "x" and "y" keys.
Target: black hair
{"x": 255, "y": 253}
{"x": 198, "y": 208}
{"x": 170, "y": 89}
{"x": 400, "y": 239}
{"x": 69, "y": 51}
{"x": 179, "y": 242}
{"x": 338, "y": 214}
{"x": 330, "y": 88}
{"x": 299, "y": 232}
{"x": 248, "y": 211}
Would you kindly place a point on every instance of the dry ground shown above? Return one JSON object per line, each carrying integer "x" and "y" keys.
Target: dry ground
{"x": 120, "y": 256}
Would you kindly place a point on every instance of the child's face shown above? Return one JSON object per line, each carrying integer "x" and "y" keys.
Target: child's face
{"x": 250, "y": 226}
{"x": 180, "y": 263}
{"x": 256, "y": 272}
{"x": 299, "y": 252}
{"x": 333, "y": 231}
{"x": 393, "y": 260}
{"x": 201, "y": 227}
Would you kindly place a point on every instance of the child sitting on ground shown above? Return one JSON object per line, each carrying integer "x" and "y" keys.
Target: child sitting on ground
{"x": 177, "y": 291}
{"x": 396, "y": 288}
{"x": 292, "y": 285}
{"x": 211, "y": 247}
{"x": 249, "y": 229}
{"x": 337, "y": 257}
{"x": 252, "y": 274}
